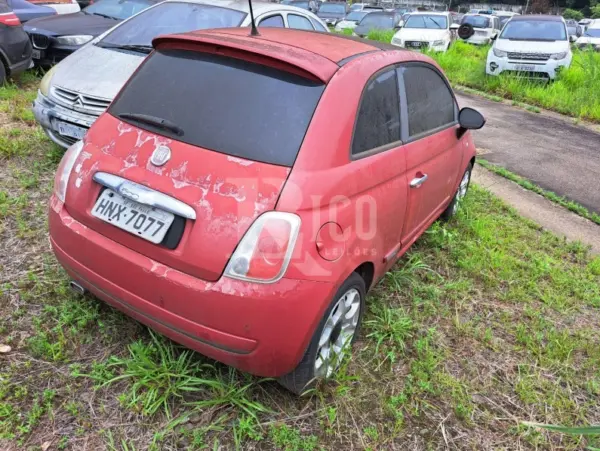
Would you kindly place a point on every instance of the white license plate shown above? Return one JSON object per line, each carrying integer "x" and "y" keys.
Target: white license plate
{"x": 525, "y": 67}
{"x": 36, "y": 54}
{"x": 70, "y": 130}
{"x": 141, "y": 220}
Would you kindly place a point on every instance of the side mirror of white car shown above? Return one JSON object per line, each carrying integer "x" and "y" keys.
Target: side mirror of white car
{"x": 454, "y": 26}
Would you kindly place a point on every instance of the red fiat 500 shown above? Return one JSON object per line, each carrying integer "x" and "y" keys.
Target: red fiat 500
{"x": 242, "y": 193}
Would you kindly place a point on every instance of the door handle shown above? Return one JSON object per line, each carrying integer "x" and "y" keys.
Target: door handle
{"x": 418, "y": 181}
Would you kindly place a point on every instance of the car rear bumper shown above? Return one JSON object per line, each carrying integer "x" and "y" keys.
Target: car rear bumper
{"x": 263, "y": 329}
{"x": 478, "y": 40}
{"x": 532, "y": 69}
{"x": 46, "y": 112}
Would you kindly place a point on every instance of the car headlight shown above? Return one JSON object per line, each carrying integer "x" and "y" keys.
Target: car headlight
{"x": 78, "y": 39}
{"x": 558, "y": 56}
{"x": 437, "y": 43}
{"x": 45, "y": 83}
{"x": 499, "y": 53}
{"x": 397, "y": 41}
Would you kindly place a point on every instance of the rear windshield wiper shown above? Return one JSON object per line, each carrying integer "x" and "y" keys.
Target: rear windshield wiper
{"x": 133, "y": 47}
{"x": 153, "y": 121}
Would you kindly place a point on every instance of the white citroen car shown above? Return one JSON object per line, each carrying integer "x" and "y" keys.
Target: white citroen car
{"x": 425, "y": 30}
{"x": 535, "y": 46}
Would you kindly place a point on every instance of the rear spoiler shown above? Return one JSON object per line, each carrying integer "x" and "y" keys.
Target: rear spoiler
{"x": 255, "y": 49}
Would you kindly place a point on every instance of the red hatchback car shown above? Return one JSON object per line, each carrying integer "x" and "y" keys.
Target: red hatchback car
{"x": 242, "y": 193}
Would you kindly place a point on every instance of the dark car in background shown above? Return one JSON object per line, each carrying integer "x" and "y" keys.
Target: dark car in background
{"x": 332, "y": 12}
{"x": 55, "y": 38}
{"x": 377, "y": 21}
{"x": 26, "y": 11}
{"x": 15, "y": 48}
{"x": 309, "y": 5}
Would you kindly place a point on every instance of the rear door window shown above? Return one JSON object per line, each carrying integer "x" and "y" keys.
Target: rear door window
{"x": 378, "y": 120}
{"x": 272, "y": 22}
{"x": 430, "y": 102}
{"x": 223, "y": 104}
{"x": 299, "y": 22}
{"x": 318, "y": 26}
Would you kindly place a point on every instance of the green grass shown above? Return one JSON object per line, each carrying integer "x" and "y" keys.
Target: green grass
{"x": 576, "y": 92}
{"x": 562, "y": 201}
{"x": 487, "y": 322}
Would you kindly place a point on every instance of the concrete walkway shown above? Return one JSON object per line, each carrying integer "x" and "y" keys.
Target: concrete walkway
{"x": 546, "y": 148}
{"x": 549, "y": 215}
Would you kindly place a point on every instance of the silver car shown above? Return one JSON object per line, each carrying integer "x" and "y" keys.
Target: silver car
{"x": 79, "y": 89}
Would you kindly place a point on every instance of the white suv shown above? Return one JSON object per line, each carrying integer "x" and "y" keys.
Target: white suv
{"x": 533, "y": 45}
{"x": 425, "y": 30}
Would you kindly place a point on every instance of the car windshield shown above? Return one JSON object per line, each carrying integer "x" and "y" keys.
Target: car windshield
{"x": 593, "y": 33}
{"x": 355, "y": 16}
{"x": 339, "y": 8}
{"x": 303, "y": 5}
{"x": 117, "y": 9}
{"x": 168, "y": 18}
{"x": 378, "y": 20}
{"x": 431, "y": 21}
{"x": 534, "y": 30}
{"x": 228, "y": 105}
{"x": 476, "y": 21}
{"x": 356, "y": 7}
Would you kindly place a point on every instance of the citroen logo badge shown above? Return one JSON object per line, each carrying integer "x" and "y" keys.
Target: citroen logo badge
{"x": 160, "y": 156}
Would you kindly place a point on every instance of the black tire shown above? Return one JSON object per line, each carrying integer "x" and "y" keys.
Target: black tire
{"x": 452, "y": 207}
{"x": 2, "y": 73}
{"x": 465, "y": 31}
{"x": 302, "y": 378}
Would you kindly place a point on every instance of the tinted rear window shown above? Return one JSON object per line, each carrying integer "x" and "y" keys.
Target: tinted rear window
{"x": 223, "y": 104}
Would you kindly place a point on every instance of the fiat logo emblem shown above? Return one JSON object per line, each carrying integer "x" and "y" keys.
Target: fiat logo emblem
{"x": 160, "y": 156}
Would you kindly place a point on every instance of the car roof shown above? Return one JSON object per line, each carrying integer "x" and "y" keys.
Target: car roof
{"x": 538, "y": 17}
{"x": 242, "y": 5}
{"x": 430, "y": 13}
{"x": 320, "y": 54}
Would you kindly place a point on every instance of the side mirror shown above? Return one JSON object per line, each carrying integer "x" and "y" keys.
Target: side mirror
{"x": 399, "y": 25}
{"x": 494, "y": 37}
{"x": 454, "y": 26}
{"x": 469, "y": 119}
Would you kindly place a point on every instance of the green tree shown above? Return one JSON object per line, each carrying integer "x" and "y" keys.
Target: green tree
{"x": 572, "y": 14}
{"x": 596, "y": 11}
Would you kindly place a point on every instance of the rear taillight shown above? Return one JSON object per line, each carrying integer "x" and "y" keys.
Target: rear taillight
{"x": 10, "y": 19}
{"x": 65, "y": 167}
{"x": 265, "y": 251}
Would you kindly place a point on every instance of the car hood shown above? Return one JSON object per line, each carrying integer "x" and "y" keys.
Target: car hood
{"x": 588, "y": 40}
{"x": 532, "y": 46}
{"x": 420, "y": 34}
{"x": 67, "y": 24}
{"x": 363, "y": 30}
{"x": 330, "y": 15}
{"x": 95, "y": 71}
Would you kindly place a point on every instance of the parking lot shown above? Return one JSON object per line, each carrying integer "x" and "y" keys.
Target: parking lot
{"x": 487, "y": 323}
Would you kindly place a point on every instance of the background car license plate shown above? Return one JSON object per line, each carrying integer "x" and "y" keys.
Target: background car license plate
{"x": 526, "y": 67}
{"x": 36, "y": 54}
{"x": 70, "y": 130}
{"x": 141, "y": 220}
